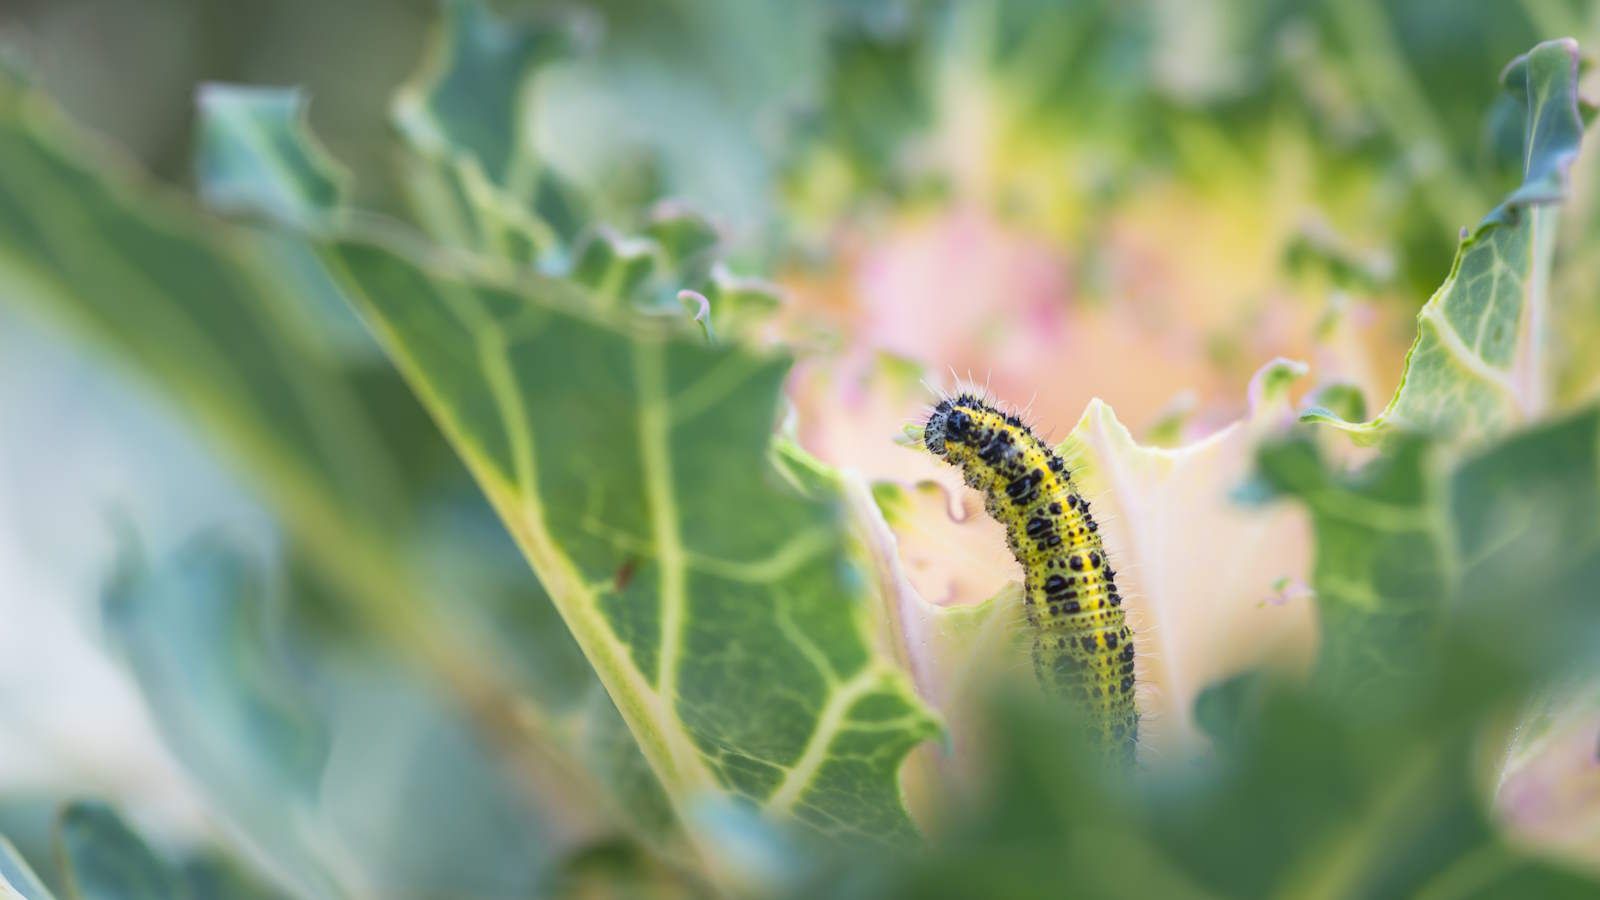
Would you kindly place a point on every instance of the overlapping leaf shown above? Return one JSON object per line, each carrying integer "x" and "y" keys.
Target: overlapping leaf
{"x": 477, "y": 184}
{"x": 736, "y": 651}
{"x": 233, "y": 325}
{"x": 100, "y": 857}
{"x": 336, "y": 766}
{"x": 104, "y": 859}
{"x": 196, "y": 635}
{"x": 1479, "y": 363}
{"x": 717, "y": 603}
{"x": 1378, "y": 575}
{"x": 1499, "y": 549}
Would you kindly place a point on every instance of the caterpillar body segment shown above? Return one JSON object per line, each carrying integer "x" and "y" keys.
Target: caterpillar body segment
{"x": 1082, "y": 646}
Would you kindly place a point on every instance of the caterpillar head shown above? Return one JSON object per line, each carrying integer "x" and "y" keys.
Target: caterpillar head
{"x": 953, "y": 421}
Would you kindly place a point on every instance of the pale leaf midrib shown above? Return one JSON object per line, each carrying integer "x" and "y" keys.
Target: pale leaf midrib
{"x": 1530, "y": 375}
{"x": 1466, "y": 356}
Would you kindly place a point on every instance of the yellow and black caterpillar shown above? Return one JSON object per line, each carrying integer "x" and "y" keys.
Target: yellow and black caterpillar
{"x": 1082, "y": 647}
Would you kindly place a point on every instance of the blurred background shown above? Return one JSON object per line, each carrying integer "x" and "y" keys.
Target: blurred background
{"x": 1197, "y": 185}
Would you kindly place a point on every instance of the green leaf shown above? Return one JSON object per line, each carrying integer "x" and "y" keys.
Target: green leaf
{"x": 210, "y": 875}
{"x": 478, "y": 182}
{"x": 526, "y": 628}
{"x": 1526, "y": 542}
{"x": 1379, "y": 575}
{"x": 738, "y": 304}
{"x": 340, "y": 791}
{"x": 687, "y": 239}
{"x": 257, "y": 156}
{"x": 102, "y": 858}
{"x": 612, "y": 266}
{"x": 105, "y": 860}
{"x": 718, "y": 603}
{"x": 197, "y": 635}
{"x": 472, "y": 96}
{"x": 83, "y": 242}
{"x": 215, "y": 317}
{"x": 144, "y": 273}
{"x": 1498, "y": 552}
{"x": 1306, "y": 802}
{"x": 422, "y": 807}
{"x": 17, "y": 880}
{"x": 1226, "y": 711}
{"x": 1478, "y": 364}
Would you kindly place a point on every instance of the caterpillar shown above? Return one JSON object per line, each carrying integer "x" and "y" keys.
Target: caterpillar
{"x": 1082, "y": 647}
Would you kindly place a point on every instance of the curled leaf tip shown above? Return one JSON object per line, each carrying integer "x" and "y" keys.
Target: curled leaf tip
{"x": 696, "y": 303}
{"x": 1271, "y": 382}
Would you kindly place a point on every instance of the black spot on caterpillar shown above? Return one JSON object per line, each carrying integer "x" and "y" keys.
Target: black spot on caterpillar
{"x": 1082, "y": 647}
